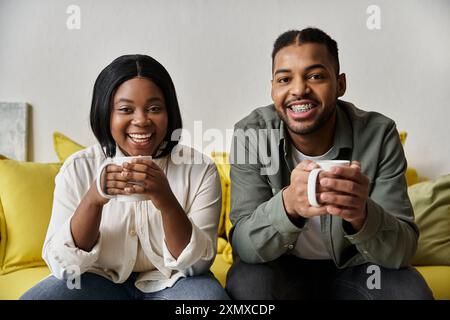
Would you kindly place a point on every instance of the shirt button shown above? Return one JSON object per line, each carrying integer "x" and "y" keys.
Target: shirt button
{"x": 290, "y": 247}
{"x": 365, "y": 252}
{"x": 132, "y": 232}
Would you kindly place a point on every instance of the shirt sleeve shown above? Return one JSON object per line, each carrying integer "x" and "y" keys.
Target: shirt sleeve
{"x": 59, "y": 250}
{"x": 261, "y": 229}
{"x": 204, "y": 212}
{"x": 389, "y": 235}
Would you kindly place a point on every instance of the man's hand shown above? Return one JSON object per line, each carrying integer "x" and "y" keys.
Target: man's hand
{"x": 295, "y": 196}
{"x": 348, "y": 190}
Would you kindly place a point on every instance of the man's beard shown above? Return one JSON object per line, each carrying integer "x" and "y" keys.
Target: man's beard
{"x": 320, "y": 122}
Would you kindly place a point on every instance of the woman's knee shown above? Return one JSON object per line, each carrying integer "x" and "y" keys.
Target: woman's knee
{"x": 90, "y": 287}
{"x": 202, "y": 287}
{"x": 49, "y": 288}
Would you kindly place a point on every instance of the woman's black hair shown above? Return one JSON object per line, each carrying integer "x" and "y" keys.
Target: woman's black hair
{"x": 117, "y": 72}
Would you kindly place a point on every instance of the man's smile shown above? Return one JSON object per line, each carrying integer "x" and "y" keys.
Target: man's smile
{"x": 301, "y": 109}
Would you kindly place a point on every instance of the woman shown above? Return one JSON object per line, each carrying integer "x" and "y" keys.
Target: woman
{"x": 159, "y": 248}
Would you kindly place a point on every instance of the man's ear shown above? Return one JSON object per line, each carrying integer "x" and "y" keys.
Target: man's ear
{"x": 341, "y": 85}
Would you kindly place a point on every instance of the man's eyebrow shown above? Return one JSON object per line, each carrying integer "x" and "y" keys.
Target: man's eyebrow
{"x": 282, "y": 71}
{"x": 315, "y": 66}
{"x": 308, "y": 68}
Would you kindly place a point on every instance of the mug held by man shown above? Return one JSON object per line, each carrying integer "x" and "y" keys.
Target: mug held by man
{"x": 325, "y": 165}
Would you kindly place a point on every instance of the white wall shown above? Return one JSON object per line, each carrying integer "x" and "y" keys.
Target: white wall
{"x": 218, "y": 53}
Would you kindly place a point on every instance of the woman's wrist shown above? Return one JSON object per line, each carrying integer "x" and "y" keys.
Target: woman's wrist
{"x": 168, "y": 204}
{"x": 94, "y": 198}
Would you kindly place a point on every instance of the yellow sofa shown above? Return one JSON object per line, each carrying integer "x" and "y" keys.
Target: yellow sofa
{"x": 25, "y": 206}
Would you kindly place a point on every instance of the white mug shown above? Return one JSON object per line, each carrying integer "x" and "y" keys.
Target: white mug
{"x": 325, "y": 165}
{"x": 120, "y": 197}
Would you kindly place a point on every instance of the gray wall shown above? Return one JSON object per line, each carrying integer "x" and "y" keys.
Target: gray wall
{"x": 218, "y": 53}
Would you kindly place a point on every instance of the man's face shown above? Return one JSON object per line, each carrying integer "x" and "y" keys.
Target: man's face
{"x": 305, "y": 87}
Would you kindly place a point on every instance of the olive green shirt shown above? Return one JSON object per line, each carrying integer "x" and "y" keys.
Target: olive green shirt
{"x": 261, "y": 168}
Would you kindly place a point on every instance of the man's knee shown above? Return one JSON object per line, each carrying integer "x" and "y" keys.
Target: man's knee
{"x": 408, "y": 284}
{"x": 370, "y": 281}
{"x": 250, "y": 281}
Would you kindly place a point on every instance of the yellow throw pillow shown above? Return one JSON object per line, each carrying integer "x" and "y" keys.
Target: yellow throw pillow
{"x": 26, "y": 193}
{"x": 2, "y": 157}
{"x": 403, "y": 135}
{"x": 64, "y": 146}
{"x": 223, "y": 167}
{"x": 411, "y": 174}
{"x": 431, "y": 203}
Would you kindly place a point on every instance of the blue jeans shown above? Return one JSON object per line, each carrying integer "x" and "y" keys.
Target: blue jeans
{"x": 292, "y": 278}
{"x": 95, "y": 287}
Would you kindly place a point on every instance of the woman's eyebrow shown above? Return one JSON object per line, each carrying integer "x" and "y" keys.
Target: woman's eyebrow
{"x": 153, "y": 99}
{"x": 124, "y": 100}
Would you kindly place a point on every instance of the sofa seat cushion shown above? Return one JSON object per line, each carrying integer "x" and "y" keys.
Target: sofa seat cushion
{"x": 222, "y": 261}
{"x": 438, "y": 279}
{"x": 15, "y": 284}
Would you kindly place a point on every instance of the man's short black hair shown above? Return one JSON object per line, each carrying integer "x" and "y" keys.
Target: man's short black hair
{"x": 308, "y": 35}
{"x": 117, "y": 72}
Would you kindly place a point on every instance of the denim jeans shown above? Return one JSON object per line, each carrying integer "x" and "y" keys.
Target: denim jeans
{"x": 95, "y": 287}
{"x": 293, "y": 278}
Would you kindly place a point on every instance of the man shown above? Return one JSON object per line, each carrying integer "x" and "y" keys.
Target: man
{"x": 359, "y": 242}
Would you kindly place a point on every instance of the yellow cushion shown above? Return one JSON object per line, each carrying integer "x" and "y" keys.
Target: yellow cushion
{"x": 26, "y": 193}
{"x": 223, "y": 167}
{"x": 411, "y": 174}
{"x": 438, "y": 279}
{"x": 403, "y": 135}
{"x": 15, "y": 284}
{"x": 224, "y": 257}
{"x": 64, "y": 146}
{"x": 220, "y": 265}
{"x": 431, "y": 203}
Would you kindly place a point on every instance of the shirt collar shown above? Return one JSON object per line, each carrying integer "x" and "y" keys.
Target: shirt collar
{"x": 119, "y": 152}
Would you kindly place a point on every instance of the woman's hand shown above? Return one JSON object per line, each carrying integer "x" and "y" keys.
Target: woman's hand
{"x": 146, "y": 177}
{"x": 152, "y": 181}
{"x": 112, "y": 182}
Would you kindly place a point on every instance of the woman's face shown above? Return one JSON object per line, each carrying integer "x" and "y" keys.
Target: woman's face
{"x": 138, "y": 117}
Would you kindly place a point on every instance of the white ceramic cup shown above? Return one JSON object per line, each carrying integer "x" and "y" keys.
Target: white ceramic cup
{"x": 120, "y": 197}
{"x": 325, "y": 165}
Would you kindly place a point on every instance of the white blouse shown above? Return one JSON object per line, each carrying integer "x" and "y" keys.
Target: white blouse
{"x": 126, "y": 225}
